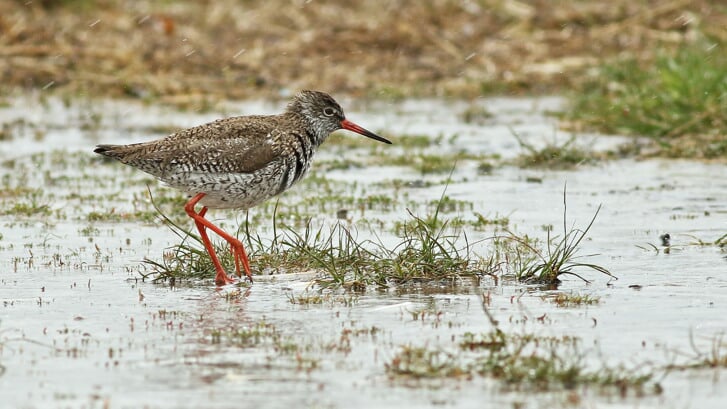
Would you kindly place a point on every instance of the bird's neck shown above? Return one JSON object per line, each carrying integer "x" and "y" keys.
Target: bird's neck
{"x": 315, "y": 131}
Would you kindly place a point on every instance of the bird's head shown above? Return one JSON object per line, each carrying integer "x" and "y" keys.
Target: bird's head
{"x": 324, "y": 115}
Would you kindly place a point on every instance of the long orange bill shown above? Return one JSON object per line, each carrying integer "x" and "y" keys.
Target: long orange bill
{"x": 346, "y": 124}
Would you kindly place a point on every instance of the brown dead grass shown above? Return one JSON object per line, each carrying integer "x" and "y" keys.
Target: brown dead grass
{"x": 187, "y": 51}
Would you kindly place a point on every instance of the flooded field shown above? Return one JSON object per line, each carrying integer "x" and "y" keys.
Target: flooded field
{"x": 79, "y": 327}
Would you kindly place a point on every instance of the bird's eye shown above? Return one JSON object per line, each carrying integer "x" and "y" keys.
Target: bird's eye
{"x": 328, "y": 111}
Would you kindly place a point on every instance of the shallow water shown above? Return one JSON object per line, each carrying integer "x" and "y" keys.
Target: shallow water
{"x": 78, "y": 328}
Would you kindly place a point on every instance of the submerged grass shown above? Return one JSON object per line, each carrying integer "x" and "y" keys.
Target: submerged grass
{"x": 523, "y": 362}
{"x": 533, "y": 362}
{"x": 31, "y": 208}
{"x": 282, "y": 349}
{"x": 678, "y": 101}
{"x": 573, "y": 300}
{"x": 551, "y": 156}
{"x": 543, "y": 363}
{"x": 254, "y": 335}
{"x": 426, "y": 163}
{"x": 715, "y": 357}
{"x": 422, "y": 363}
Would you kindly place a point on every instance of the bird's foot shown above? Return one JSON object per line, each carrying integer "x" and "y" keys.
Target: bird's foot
{"x": 222, "y": 279}
{"x": 240, "y": 257}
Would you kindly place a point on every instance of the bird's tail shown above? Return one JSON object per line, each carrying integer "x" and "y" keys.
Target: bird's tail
{"x": 123, "y": 153}
{"x": 133, "y": 155}
{"x": 108, "y": 150}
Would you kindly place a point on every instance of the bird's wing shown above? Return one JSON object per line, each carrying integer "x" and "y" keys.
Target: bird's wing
{"x": 232, "y": 145}
{"x": 219, "y": 156}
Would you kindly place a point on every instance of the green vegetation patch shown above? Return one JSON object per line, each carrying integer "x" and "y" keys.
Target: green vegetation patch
{"x": 678, "y": 100}
{"x": 429, "y": 251}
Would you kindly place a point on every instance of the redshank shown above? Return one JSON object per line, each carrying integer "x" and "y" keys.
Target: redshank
{"x": 239, "y": 162}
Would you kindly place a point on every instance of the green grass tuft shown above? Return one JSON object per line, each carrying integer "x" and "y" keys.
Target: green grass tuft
{"x": 544, "y": 266}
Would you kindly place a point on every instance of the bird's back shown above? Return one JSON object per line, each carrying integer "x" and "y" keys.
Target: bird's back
{"x": 231, "y": 145}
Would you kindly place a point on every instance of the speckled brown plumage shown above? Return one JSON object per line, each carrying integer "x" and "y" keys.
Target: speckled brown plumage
{"x": 241, "y": 161}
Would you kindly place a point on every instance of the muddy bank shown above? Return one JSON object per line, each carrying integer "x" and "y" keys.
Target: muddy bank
{"x": 194, "y": 54}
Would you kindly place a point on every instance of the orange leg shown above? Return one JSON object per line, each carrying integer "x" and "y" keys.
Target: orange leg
{"x": 238, "y": 251}
{"x": 220, "y": 278}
